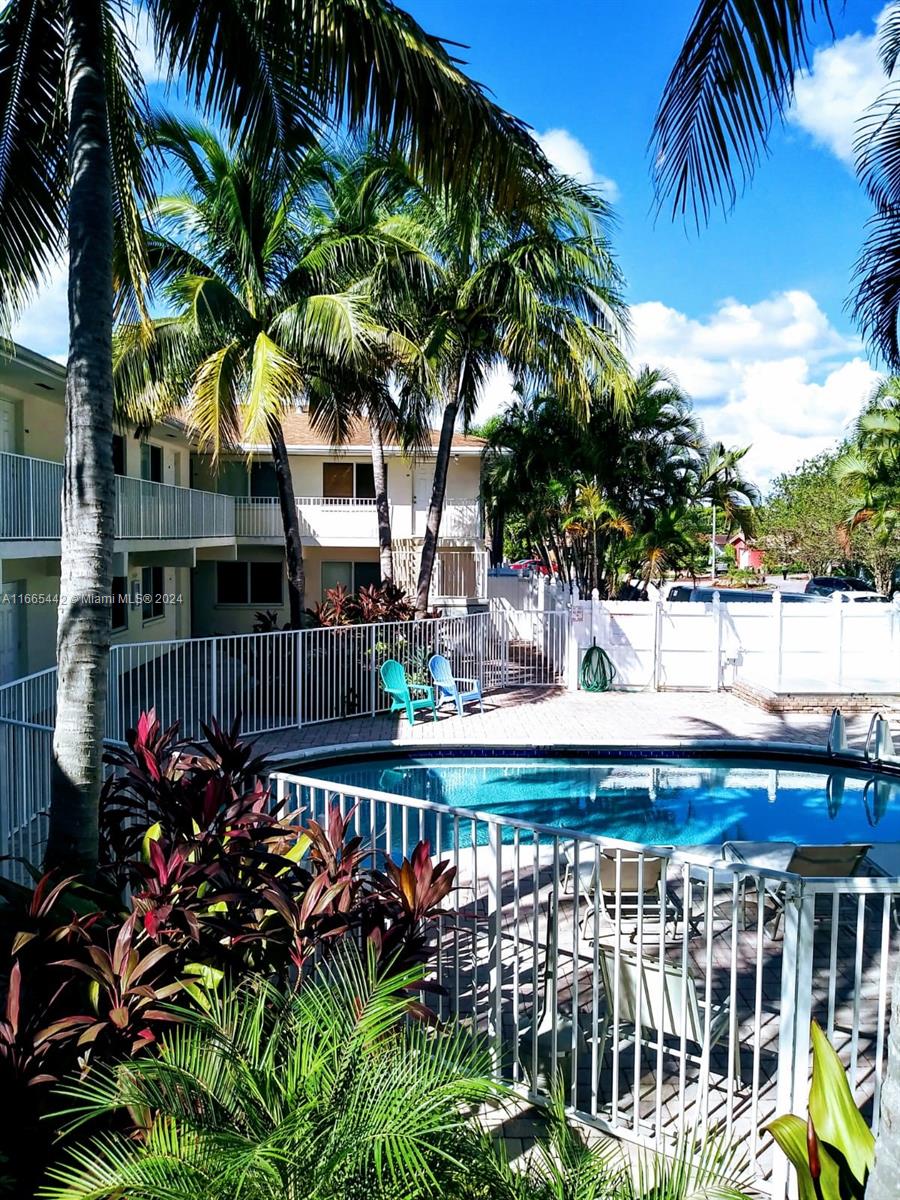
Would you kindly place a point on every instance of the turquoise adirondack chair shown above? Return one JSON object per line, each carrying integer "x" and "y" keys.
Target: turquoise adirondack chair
{"x": 447, "y": 688}
{"x": 395, "y": 683}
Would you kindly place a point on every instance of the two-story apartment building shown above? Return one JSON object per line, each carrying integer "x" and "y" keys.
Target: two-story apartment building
{"x": 199, "y": 552}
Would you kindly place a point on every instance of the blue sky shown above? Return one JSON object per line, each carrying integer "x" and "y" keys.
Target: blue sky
{"x": 749, "y": 313}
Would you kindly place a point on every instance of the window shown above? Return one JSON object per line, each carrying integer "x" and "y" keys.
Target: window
{"x": 119, "y": 603}
{"x": 250, "y": 583}
{"x": 118, "y": 454}
{"x": 337, "y": 574}
{"x": 152, "y": 584}
{"x": 262, "y": 479}
{"x": 151, "y": 462}
{"x": 351, "y": 575}
{"x": 348, "y": 480}
{"x": 365, "y": 480}
{"x": 366, "y": 574}
{"x": 337, "y": 480}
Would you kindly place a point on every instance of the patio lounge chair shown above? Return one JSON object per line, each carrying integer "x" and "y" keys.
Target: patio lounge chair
{"x": 669, "y": 1005}
{"x": 395, "y": 683}
{"x": 638, "y": 891}
{"x": 810, "y": 862}
{"x": 447, "y": 688}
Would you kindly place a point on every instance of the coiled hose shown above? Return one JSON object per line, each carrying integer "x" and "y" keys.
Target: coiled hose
{"x": 597, "y": 671}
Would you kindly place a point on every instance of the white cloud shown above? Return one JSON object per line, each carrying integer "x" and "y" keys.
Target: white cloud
{"x": 140, "y": 34}
{"x": 843, "y": 80}
{"x": 776, "y": 374}
{"x": 44, "y": 325}
{"x": 496, "y": 395}
{"x": 573, "y": 158}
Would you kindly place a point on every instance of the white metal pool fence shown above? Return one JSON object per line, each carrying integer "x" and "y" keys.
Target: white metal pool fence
{"x": 659, "y": 984}
{"x": 271, "y": 681}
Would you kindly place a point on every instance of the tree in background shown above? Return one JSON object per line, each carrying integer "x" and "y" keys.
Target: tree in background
{"x": 534, "y": 287}
{"x": 612, "y": 495}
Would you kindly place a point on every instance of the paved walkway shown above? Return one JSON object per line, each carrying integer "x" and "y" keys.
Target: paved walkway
{"x": 553, "y": 717}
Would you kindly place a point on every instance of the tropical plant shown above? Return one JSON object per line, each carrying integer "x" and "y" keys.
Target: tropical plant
{"x": 613, "y": 495}
{"x": 832, "y": 1149}
{"x": 372, "y": 605}
{"x": 359, "y": 1099}
{"x": 535, "y": 288}
{"x": 73, "y": 174}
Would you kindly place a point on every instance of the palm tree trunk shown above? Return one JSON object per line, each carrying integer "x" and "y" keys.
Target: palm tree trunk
{"x": 290, "y": 518}
{"x": 82, "y": 643}
{"x": 436, "y": 507}
{"x": 882, "y": 1184}
{"x": 382, "y": 509}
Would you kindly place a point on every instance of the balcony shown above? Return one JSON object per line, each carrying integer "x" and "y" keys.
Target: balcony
{"x": 30, "y": 491}
{"x": 337, "y": 521}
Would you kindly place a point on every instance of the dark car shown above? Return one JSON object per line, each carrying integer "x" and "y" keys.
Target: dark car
{"x": 704, "y": 595}
{"x": 826, "y": 585}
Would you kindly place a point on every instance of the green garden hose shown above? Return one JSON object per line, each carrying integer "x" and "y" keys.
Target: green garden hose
{"x": 597, "y": 670}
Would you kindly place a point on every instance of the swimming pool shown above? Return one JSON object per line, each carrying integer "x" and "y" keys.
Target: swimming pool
{"x": 656, "y": 800}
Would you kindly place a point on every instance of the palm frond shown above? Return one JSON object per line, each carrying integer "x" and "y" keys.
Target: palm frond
{"x": 733, "y": 78}
{"x": 33, "y": 161}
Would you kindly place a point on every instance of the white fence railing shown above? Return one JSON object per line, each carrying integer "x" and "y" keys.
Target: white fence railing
{"x": 654, "y": 981}
{"x": 271, "y": 681}
{"x": 460, "y": 572}
{"x": 30, "y": 491}
{"x": 341, "y": 520}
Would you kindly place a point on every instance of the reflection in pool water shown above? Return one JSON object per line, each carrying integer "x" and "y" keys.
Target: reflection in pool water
{"x": 655, "y": 801}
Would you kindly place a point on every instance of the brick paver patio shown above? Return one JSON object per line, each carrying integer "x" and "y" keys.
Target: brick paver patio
{"x": 554, "y": 717}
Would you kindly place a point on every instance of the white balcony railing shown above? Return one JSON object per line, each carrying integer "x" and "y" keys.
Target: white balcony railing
{"x": 30, "y": 490}
{"x": 324, "y": 518}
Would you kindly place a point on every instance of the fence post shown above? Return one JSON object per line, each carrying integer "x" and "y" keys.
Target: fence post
{"x": 717, "y": 642}
{"x": 495, "y": 940}
{"x": 837, "y": 603}
{"x": 657, "y": 643}
{"x": 778, "y": 638}
{"x": 298, "y": 667}
{"x": 214, "y": 677}
{"x": 571, "y": 652}
{"x": 373, "y": 691}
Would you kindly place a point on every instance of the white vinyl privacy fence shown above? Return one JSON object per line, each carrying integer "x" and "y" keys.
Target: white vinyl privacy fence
{"x": 658, "y": 984}
{"x": 829, "y": 647}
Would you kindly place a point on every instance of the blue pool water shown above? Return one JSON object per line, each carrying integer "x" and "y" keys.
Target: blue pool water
{"x": 658, "y": 801}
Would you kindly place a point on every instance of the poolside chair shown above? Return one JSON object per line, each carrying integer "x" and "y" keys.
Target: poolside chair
{"x": 810, "y": 862}
{"x": 395, "y": 683}
{"x": 639, "y": 891}
{"x": 669, "y": 1007}
{"x": 447, "y": 688}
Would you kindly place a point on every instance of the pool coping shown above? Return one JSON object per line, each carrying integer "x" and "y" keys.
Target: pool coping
{"x": 775, "y": 751}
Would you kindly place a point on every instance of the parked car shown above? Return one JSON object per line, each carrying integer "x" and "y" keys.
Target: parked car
{"x": 532, "y": 564}
{"x": 827, "y": 585}
{"x": 704, "y": 595}
{"x": 851, "y": 590}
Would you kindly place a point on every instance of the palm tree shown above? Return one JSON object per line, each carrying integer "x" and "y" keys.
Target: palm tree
{"x": 73, "y": 175}
{"x": 361, "y": 215}
{"x": 329, "y": 1091}
{"x": 721, "y": 484}
{"x": 535, "y": 288}
{"x": 266, "y": 302}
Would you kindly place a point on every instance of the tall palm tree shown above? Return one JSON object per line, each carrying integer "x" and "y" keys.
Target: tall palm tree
{"x": 261, "y": 311}
{"x": 360, "y": 214}
{"x": 72, "y": 171}
{"x": 535, "y": 288}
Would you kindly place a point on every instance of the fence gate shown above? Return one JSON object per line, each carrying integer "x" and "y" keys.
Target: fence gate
{"x": 526, "y": 649}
